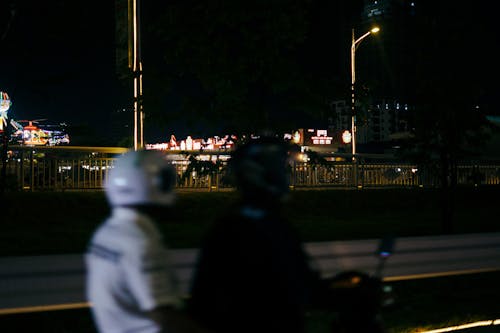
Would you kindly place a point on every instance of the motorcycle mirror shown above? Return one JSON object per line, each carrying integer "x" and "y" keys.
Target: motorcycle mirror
{"x": 384, "y": 251}
{"x": 385, "y": 247}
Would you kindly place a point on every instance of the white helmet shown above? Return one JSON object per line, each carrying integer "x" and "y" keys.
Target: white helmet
{"x": 141, "y": 177}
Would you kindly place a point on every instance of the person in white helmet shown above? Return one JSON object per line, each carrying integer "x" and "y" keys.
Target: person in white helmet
{"x": 130, "y": 281}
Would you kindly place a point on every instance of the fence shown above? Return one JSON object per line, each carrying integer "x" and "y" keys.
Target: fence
{"x": 79, "y": 168}
{"x": 58, "y": 168}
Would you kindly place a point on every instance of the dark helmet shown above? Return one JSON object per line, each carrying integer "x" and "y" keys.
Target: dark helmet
{"x": 260, "y": 168}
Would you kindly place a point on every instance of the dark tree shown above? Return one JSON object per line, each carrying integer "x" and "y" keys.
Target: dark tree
{"x": 240, "y": 66}
{"x": 449, "y": 119}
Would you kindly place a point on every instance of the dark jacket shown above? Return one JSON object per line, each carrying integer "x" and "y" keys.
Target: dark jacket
{"x": 252, "y": 276}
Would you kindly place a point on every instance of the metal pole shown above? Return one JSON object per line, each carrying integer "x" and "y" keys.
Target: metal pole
{"x": 354, "y": 43}
{"x": 134, "y": 20}
{"x": 353, "y": 100}
{"x": 353, "y": 111}
{"x": 22, "y": 171}
{"x": 5, "y": 147}
{"x": 141, "y": 109}
{"x": 32, "y": 171}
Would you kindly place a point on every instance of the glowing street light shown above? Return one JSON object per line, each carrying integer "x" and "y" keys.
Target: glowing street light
{"x": 354, "y": 46}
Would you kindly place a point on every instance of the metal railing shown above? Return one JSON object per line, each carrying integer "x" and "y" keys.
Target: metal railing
{"x": 59, "y": 168}
{"x": 80, "y": 168}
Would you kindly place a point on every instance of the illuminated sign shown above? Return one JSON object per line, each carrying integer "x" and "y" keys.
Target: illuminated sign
{"x": 313, "y": 137}
{"x": 297, "y": 137}
{"x": 212, "y": 143}
{"x": 346, "y": 137}
{"x": 34, "y": 135}
{"x": 5, "y": 104}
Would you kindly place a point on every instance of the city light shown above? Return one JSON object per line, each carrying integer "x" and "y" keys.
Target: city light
{"x": 465, "y": 326}
{"x": 346, "y": 137}
{"x": 35, "y": 135}
{"x": 5, "y": 104}
{"x": 212, "y": 143}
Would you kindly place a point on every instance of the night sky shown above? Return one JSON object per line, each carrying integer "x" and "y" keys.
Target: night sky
{"x": 58, "y": 58}
{"x": 58, "y": 62}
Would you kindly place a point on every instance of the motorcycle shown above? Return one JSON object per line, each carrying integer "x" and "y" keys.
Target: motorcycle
{"x": 359, "y": 297}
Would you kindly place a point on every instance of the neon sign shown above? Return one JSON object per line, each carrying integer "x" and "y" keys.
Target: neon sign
{"x": 346, "y": 137}
{"x": 319, "y": 137}
{"x": 190, "y": 143}
{"x": 5, "y": 104}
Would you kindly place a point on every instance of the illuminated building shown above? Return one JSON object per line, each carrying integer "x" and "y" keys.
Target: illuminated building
{"x": 189, "y": 144}
{"x": 325, "y": 140}
{"x": 386, "y": 73}
{"x": 30, "y": 134}
{"x": 376, "y": 9}
{"x": 38, "y": 135}
{"x": 380, "y": 121}
{"x": 389, "y": 71}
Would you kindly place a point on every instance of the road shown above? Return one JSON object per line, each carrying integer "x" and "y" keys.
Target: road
{"x": 57, "y": 281}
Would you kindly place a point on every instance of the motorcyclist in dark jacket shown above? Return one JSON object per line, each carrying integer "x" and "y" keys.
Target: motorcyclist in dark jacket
{"x": 253, "y": 274}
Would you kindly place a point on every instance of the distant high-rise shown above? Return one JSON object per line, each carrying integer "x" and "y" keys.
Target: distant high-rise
{"x": 386, "y": 63}
{"x": 386, "y": 68}
{"x": 376, "y": 9}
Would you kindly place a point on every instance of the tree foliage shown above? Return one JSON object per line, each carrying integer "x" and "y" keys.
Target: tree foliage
{"x": 451, "y": 84}
{"x": 449, "y": 120}
{"x": 237, "y": 64}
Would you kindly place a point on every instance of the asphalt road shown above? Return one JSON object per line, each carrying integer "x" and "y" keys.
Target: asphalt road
{"x": 57, "y": 282}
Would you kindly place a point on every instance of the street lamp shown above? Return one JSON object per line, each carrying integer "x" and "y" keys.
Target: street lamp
{"x": 354, "y": 46}
{"x": 135, "y": 63}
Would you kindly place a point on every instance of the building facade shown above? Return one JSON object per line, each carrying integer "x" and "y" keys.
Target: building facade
{"x": 381, "y": 121}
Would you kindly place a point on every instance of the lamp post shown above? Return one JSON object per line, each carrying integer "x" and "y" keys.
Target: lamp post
{"x": 354, "y": 46}
{"x": 135, "y": 63}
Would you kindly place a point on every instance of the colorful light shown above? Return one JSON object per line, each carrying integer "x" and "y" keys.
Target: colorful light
{"x": 33, "y": 135}
{"x": 346, "y": 137}
{"x": 296, "y": 137}
{"x": 465, "y": 326}
{"x": 5, "y": 104}
{"x": 190, "y": 143}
